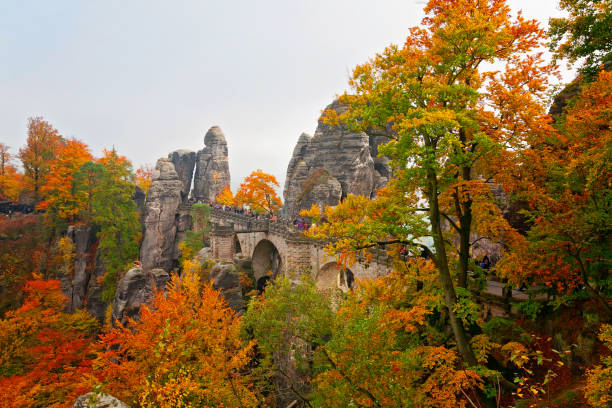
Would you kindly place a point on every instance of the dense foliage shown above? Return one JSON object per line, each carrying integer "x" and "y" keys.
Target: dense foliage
{"x": 462, "y": 104}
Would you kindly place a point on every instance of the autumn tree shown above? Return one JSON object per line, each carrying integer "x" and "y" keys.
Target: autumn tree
{"x": 45, "y": 353}
{"x": 446, "y": 115}
{"x": 185, "y": 350}
{"x": 226, "y": 197}
{"x": 386, "y": 350}
{"x": 566, "y": 178}
{"x": 583, "y": 33}
{"x": 116, "y": 216}
{"x": 144, "y": 177}
{"x": 64, "y": 201}
{"x": 258, "y": 192}
{"x": 40, "y": 150}
{"x": 598, "y": 388}
{"x": 10, "y": 178}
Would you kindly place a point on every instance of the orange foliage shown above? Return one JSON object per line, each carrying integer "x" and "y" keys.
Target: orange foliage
{"x": 62, "y": 199}
{"x": 39, "y": 152}
{"x": 566, "y": 177}
{"x": 144, "y": 177}
{"x": 185, "y": 350}
{"x": 44, "y": 352}
{"x": 10, "y": 179}
{"x": 258, "y": 192}
{"x": 226, "y": 197}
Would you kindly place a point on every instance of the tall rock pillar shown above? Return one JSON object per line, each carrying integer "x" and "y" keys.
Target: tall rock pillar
{"x": 212, "y": 167}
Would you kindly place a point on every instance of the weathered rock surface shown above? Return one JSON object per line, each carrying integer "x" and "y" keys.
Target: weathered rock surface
{"x": 212, "y": 167}
{"x": 93, "y": 400}
{"x": 76, "y": 289}
{"x": 226, "y": 279}
{"x": 343, "y": 157}
{"x": 95, "y": 304}
{"x": 135, "y": 289}
{"x": 158, "y": 247}
{"x": 184, "y": 163}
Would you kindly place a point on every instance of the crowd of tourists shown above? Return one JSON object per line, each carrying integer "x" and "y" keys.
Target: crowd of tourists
{"x": 299, "y": 223}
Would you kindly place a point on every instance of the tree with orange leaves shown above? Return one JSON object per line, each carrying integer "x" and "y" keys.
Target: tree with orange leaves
{"x": 447, "y": 117}
{"x": 258, "y": 192}
{"x": 63, "y": 199}
{"x": 39, "y": 152}
{"x": 10, "y": 178}
{"x": 185, "y": 350}
{"x": 566, "y": 177}
{"x": 226, "y": 197}
{"x": 45, "y": 353}
{"x": 144, "y": 177}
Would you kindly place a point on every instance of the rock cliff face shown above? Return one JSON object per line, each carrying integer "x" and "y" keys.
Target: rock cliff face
{"x": 212, "y": 167}
{"x": 135, "y": 289}
{"x": 160, "y": 217}
{"x": 331, "y": 164}
{"x": 93, "y": 400}
{"x": 184, "y": 162}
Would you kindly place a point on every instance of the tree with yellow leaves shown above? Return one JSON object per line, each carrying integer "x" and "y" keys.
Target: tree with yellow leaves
{"x": 448, "y": 117}
{"x": 226, "y": 197}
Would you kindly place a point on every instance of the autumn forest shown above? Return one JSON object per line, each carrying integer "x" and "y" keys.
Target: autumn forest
{"x": 481, "y": 144}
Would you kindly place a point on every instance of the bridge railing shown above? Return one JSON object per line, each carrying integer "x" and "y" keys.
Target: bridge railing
{"x": 255, "y": 223}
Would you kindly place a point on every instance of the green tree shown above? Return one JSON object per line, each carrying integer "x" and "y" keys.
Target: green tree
{"x": 584, "y": 33}
{"x": 289, "y": 321}
{"x": 116, "y": 217}
{"x": 87, "y": 180}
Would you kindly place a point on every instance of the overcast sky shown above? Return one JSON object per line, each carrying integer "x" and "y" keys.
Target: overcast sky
{"x": 149, "y": 77}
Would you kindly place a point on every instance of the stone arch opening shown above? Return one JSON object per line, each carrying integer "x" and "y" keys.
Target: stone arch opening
{"x": 266, "y": 260}
{"x": 331, "y": 276}
{"x": 237, "y": 246}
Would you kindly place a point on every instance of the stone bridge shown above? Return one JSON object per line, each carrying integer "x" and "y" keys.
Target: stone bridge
{"x": 278, "y": 247}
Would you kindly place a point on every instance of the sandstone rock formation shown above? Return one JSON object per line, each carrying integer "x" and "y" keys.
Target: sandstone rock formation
{"x": 76, "y": 289}
{"x": 93, "y": 400}
{"x": 330, "y": 165}
{"x": 158, "y": 247}
{"x": 184, "y": 163}
{"x": 212, "y": 167}
{"x": 226, "y": 279}
{"x": 135, "y": 289}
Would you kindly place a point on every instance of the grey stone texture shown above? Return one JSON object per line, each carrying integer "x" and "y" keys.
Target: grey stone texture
{"x": 158, "y": 249}
{"x": 331, "y": 164}
{"x": 92, "y": 400}
{"x": 212, "y": 167}
{"x": 135, "y": 289}
{"x": 226, "y": 279}
{"x": 184, "y": 163}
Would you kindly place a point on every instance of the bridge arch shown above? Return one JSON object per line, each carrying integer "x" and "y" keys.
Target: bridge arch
{"x": 331, "y": 276}
{"x": 266, "y": 260}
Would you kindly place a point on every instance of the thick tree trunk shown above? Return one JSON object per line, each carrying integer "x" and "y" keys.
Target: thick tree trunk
{"x": 446, "y": 280}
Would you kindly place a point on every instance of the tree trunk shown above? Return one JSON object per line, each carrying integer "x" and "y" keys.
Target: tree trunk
{"x": 444, "y": 273}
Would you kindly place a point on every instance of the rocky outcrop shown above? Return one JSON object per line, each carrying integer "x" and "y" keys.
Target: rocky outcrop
{"x": 95, "y": 304}
{"x": 226, "y": 279}
{"x": 93, "y": 400}
{"x": 184, "y": 163}
{"x": 76, "y": 290}
{"x": 212, "y": 167}
{"x": 135, "y": 289}
{"x": 330, "y": 165}
{"x": 158, "y": 249}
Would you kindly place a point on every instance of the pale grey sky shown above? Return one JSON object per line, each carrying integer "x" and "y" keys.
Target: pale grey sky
{"x": 149, "y": 77}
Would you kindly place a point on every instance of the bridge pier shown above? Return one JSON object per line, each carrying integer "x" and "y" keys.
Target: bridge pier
{"x": 222, "y": 242}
